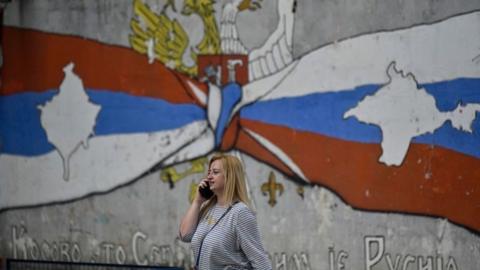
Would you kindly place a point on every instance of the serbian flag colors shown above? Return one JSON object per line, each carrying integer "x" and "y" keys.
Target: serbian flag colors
{"x": 388, "y": 121}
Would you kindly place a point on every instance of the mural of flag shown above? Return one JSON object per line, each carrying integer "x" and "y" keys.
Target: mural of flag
{"x": 317, "y": 120}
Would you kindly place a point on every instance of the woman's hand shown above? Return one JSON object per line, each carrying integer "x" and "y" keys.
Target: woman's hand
{"x": 198, "y": 197}
{"x": 190, "y": 220}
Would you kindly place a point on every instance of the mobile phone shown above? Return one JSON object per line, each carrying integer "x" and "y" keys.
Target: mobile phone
{"x": 206, "y": 192}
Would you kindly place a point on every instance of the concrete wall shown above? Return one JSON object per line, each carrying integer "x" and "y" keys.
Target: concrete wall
{"x": 357, "y": 125}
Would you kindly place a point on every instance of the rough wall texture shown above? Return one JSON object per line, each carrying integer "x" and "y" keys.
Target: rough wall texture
{"x": 356, "y": 122}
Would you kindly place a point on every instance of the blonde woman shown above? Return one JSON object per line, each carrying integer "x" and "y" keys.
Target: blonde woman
{"x": 223, "y": 230}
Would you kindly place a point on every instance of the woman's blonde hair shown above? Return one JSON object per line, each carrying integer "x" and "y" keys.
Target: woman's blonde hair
{"x": 235, "y": 185}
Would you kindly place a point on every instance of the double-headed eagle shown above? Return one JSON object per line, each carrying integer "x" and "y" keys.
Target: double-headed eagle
{"x": 164, "y": 39}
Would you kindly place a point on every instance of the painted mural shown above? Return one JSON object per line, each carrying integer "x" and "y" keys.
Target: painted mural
{"x": 385, "y": 122}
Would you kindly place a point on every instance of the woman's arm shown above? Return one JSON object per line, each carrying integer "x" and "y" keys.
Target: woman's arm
{"x": 250, "y": 241}
{"x": 190, "y": 220}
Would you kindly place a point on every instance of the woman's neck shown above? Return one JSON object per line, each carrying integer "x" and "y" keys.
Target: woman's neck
{"x": 221, "y": 200}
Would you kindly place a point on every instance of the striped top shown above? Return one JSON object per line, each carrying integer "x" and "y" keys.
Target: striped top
{"x": 233, "y": 244}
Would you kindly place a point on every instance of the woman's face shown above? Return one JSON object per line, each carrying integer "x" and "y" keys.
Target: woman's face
{"x": 216, "y": 177}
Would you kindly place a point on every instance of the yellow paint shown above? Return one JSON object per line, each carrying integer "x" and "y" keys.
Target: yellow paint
{"x": 210, "y": 43}
{"x": 170, "y": 40}
{"x": 249, "y": 4}
{"x": 301, "y": 191}
{"x": 270, "y": 188}
{"x": 172, "y": 176}
{"x": 193, "y": 191}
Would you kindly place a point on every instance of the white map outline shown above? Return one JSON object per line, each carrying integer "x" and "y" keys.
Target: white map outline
{"x": 403, "y": 111}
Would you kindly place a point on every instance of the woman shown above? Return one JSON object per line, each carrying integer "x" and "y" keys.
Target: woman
{"x": 223, "y": 229}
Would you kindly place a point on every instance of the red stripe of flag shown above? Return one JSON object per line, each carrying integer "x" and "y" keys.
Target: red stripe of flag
{"x": 431, "y": 181}
{"x": 34, "y": 61}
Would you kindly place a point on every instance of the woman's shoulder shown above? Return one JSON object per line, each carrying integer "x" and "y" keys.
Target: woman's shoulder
{"x": 244, "y": 217}
{"x": 239, "y": 205}
{"x": 242, "y": 209}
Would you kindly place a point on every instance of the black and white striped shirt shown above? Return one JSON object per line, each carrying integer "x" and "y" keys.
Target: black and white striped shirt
{"x": 233, "y": 244}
